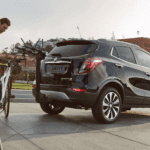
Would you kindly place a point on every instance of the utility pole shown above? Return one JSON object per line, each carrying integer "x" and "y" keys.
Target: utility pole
{"x": 79, "y": 31}
{"x": 28, "y": 74}
{"x": 138, "y": 33}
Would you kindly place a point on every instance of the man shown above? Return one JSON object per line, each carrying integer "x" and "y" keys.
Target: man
{"x": 4, "y": 24}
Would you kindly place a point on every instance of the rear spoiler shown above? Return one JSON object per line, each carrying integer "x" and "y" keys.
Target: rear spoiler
{"x": 77, "y": 42}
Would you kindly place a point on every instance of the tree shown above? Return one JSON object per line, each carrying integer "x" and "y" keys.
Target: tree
{"x": 52, "y": 40}
{"x": 27, "y": 43}
{"x": 12, "y": 47}
{"x": 4, "y": 51}
{"x": 48, "y": 48}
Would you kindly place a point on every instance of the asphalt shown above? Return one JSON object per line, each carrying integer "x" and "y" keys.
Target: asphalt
{"x": 29, "y": 128}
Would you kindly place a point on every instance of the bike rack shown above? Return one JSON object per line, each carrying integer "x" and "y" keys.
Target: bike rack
{"x": 39, "y": 55}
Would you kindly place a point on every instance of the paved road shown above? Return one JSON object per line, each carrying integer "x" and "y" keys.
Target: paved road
{"x": 23, "y": 96}
{"x": 28, "y": 127}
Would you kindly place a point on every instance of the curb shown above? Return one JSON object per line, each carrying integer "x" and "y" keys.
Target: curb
{"x": 21, "y": 89}
{"x": 23, "y": 100}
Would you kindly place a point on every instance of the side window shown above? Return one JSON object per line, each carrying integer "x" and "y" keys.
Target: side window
{"x": 125, "y": 53}
{"x": 143, "y": 57}
{"x": 114, "y": 53}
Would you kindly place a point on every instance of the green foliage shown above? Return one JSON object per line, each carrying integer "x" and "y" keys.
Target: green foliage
{"x": 48, "y": 48}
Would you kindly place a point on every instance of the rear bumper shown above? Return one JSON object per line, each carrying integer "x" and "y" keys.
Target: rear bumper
{"x": 53, "y": 95}
{"x": 65, "y": 94}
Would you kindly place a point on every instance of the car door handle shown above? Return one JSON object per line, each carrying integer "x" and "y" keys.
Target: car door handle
{"x": 148, "y": 74}
{"x": 118, "y": 65}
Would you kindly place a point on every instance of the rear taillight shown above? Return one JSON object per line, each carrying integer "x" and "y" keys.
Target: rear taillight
{"x": 79, "y": 90}
{"x": 33, "y": 86}
{"x": 90, "y": 64}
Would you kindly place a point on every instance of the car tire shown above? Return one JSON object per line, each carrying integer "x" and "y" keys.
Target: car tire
{"x": 107, "y": 110}
{"x": 51, "y": 109}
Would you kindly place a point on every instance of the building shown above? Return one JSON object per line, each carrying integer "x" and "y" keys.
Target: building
{"x": 30, "y": 64}
{"x": 141, "y": 41}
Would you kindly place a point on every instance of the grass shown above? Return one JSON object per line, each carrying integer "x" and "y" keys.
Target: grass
{"x": 21, "y": 86}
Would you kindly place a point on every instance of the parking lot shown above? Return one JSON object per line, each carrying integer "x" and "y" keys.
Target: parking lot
{"x": 28, "y": 127}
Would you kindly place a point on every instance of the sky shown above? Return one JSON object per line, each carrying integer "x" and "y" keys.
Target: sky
{"x": 46, "y": 19}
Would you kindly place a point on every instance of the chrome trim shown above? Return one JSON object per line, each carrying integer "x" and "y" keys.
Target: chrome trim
{"x": 126, "y": 61}
{"x": 70, "y": 79}
{"x": 57, "y": 62}
{"x": 69, "y": 57}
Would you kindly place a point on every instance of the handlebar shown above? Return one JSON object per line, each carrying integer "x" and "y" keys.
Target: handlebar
{"x": 8, "y": 61}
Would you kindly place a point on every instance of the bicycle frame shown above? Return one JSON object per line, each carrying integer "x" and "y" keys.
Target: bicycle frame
{"x": 4, "y": 82}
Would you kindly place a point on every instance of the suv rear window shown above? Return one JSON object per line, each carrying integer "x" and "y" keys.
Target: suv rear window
{"x": 72, "y": 50}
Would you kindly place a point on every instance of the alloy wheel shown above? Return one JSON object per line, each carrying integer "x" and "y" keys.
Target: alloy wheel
{"x": 111, "y": 105}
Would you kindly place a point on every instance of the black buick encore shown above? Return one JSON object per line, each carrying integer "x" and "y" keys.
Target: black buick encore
{"x": 107, "y": 76}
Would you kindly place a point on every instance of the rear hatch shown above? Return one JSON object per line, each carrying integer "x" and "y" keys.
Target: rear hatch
{"x": 63, "y": 63}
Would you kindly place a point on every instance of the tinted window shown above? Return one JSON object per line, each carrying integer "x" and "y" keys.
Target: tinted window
{"x": 115, "y": 52}
{"x": 125, "y": 53}
{"x": 70, "y": 50}
{"x": 143, "y": 57}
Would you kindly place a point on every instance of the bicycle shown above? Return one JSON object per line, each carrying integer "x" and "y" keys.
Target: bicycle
{"x": 6, "y": 95}
{"x": 6, "y": 82}
{"x": 39, "y": 55}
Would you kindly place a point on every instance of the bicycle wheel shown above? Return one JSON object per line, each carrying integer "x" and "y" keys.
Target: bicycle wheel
{"x": 6, "y": 105}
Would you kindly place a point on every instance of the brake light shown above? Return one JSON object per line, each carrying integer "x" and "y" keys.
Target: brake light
{"x": 33, "y": 86}
{"x": 89, "y": 65}
{"x": 68, "y": 41}
{"x": 79, "y": 90}
{"x": 2, "y": 71}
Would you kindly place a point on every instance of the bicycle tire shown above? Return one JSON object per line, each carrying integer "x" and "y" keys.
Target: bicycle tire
{"x": 6, "y": 105}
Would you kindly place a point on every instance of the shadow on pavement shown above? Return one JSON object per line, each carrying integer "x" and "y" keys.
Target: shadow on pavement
{"x": 43, "y": 124}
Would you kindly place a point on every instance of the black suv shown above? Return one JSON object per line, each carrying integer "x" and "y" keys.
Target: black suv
{"x": 106, "y": 76}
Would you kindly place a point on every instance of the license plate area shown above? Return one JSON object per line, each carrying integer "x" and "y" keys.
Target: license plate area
{"x": 53, "y": 68}
{"x": 56, "y": 69}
